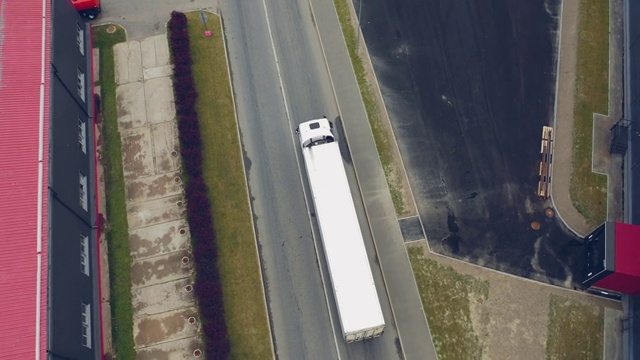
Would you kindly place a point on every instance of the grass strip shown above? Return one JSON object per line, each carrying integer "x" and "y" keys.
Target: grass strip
{"x": 446, "y": 297}
{"x": 244, "y": 300}
{"x": 588, "y": 190}
{"x": 380, "y": 133}
{"x": 575, "y": 330}
{"x": 117, "y": 229}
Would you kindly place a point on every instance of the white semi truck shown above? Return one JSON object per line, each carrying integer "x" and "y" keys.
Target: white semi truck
{"x": 353, "y": 286}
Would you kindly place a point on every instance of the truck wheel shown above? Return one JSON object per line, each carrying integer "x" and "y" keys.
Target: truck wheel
{"x": 92, "y": 16}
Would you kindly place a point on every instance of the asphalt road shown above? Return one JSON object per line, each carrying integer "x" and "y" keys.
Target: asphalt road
{"x": 298, "y": 311}
{"x": 271, "y": 101}
{"x": 468, "y": 86}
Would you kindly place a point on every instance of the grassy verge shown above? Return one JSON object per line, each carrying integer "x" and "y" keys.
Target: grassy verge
{"x": 244, "y": 303}
{"x": 447, "y": 297}
{"x": 380, "y": 134}
{"x": 575, "y": 330}
{"x": 117, "y": 228}
{"x": 589, "y": 190}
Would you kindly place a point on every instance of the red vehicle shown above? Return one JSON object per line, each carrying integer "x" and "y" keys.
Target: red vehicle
{"x": 87, "y": 8}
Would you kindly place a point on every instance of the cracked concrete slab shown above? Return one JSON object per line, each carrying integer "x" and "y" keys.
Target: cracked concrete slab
{"x": 155, "y": 212}
{"x": 158, "y": 230}
{"x": 137, "y": 155}
{"x": 161, "y": 269}
{"x": 152, "y": 73}
{"x": 172, "y": 350}
{"x": 153, "y": 329}
{"x": 154, "y": 187}
{"x": 166, "y": 146}
{"x": 161, "y": 298}
{"x": 159, "y": 239}
{"x": 132, "y": 112}
{"x": 160, "y": 105}
{"x": 155, "y": 51}
{"x": 128, "y": 62}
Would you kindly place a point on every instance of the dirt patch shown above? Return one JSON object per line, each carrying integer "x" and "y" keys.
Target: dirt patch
{"x": 575, "y": 329}
{"x": 476, "y": 313}
{"x": 448, "y": 298}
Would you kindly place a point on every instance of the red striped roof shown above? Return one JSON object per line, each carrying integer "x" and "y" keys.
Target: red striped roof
{"x": 24, "y": 127}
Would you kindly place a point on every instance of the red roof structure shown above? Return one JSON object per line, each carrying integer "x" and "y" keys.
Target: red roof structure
{"x": 24, "y": 143}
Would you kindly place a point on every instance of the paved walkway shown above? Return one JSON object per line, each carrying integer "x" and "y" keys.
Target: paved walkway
{"x": 166, "y": 323}
{"x": 602, "y": 162}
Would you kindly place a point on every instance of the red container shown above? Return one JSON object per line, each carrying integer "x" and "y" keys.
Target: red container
{"x": 87, "y": 8}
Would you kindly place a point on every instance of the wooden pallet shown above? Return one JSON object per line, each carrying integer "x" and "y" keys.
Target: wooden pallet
{"x": 546, "y": 154}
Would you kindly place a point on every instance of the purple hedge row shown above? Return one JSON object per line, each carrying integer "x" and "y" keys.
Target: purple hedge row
{"x": 208, "y": 289}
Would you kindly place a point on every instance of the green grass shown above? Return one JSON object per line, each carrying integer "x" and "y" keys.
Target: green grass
{"x": 117, "y": 228}
{"x": 575, "y": 330}
{"x": 244, "y": 300}
{"x": 380, "y": 134}
{"x": 446, "y": 297}
{"x": 589, "y": 190}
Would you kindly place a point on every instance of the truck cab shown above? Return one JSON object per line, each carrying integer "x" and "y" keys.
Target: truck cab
{"x": 87, "y": 8}
{"x": 315, "y": 132}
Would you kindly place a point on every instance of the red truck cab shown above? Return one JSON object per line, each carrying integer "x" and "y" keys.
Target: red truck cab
{"x": 87, "y": 8}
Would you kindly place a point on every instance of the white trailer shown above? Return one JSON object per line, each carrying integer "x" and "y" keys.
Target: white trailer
{"x": 353, "y": 286}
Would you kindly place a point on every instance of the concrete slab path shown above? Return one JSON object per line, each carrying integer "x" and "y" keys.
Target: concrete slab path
{"x": 166, "y": 323}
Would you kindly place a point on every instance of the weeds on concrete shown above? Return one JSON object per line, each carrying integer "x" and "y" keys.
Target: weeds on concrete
{"x": 588, "y": 190}
{"x": 575, "y": 330}
{"x": 244, "y": 300}
{"x": 446, "y": 297}
{"x": 118, "y": 229}
{"x": 380, "y": 134}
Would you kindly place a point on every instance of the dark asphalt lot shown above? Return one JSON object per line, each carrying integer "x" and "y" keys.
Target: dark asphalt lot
{"x": 469, "y": 86}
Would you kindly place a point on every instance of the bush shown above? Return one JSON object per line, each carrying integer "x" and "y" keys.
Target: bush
{"x": 208, "y": 289}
